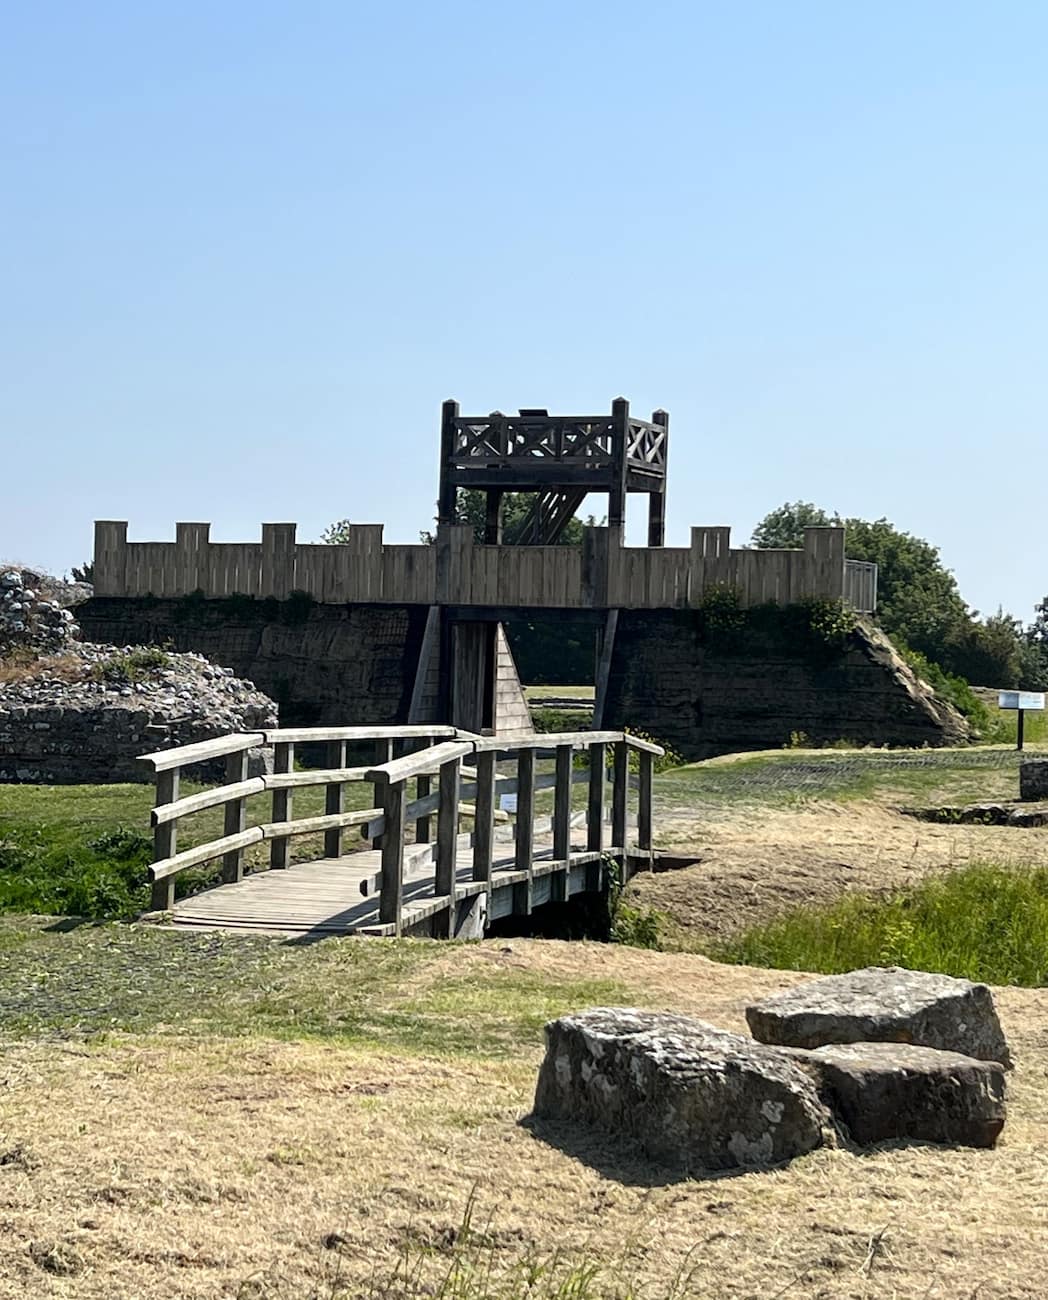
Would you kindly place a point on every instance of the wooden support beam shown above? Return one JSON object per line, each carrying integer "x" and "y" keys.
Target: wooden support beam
{"x": 165, "y": 838}
{"x": 334, "y": 799}
{"x": 446, "y": 503}
{"x": 235, "y": 816}
{"x": 595, "y": 808}
{"x": 283, "y": 761}
{"x": 524, "y": 853}
{"x": 620, "y": 420}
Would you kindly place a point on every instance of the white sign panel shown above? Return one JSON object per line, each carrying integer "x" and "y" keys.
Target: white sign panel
{"x": 1021, "y": 700}
{"x": 508, "y": 803}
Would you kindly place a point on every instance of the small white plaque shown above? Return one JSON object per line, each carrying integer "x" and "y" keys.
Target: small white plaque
{"x": 1021, "y": 700}
{"x": 508, "y": 803}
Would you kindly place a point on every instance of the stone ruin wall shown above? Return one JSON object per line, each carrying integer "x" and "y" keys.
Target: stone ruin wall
{"x": 334, "y": 663}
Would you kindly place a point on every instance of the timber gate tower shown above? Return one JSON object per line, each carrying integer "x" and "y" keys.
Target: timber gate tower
{"x": 415, "y": 633}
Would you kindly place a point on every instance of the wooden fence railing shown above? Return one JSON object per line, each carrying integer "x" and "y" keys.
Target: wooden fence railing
{"x": 408, "y": 789}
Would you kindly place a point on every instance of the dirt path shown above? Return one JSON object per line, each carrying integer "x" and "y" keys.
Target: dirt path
{"x": 759, "y": 861}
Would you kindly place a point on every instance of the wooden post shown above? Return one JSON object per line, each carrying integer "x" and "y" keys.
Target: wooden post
{"x": 334, "y": 799}
{"x": 647, "y": 767}
{"x": 562, "y": 805}
{"x": 620, "y": 421}
{"x": 391, "y": 895}
{"x": 236, "y": 817}
{"x": 165, "y": 839}
{"x": 383, "y": 754}
{"x": 447, "y": 845}
{"x": 446, "y": 504}
{"x": 493, "y": 518}
{"x": 559, "y": 882}
{"x": 484, "y": 821}
{"x": 524, "y": 853}
{"x": 283, "y": 761}
{"x": 620, "y": 786}
{"x": 423, "y": 786}
{"x": 657, "y": 500}
{"x": 595, "y": 808}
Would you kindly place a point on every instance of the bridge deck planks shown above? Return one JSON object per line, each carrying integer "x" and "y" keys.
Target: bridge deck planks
{"x": 324, "y": 897}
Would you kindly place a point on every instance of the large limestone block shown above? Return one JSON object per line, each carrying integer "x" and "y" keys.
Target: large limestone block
{"x": 884, "y": 1004}
{"x": 692, "y": 1095}
{"x": 885, "y": 1091}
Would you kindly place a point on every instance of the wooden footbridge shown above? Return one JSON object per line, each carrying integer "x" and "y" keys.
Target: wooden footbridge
{"x": 381, "y": 870}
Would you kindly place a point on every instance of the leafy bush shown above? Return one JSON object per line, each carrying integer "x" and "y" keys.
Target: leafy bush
{"x": 100, "y": 878}
{"x": 955, "y": 690}
{"x": 127, "y": 668}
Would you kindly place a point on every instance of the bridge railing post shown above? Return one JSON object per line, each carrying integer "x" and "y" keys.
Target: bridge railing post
{"x": 447, "y": 843}
{"x": 525, "y": 828}
{"x": 619, "y": 790}
{"x": 595, "y": 806}
{"x": 484, "y": 820}
{"x": 647, "y": 767}
{"x": 391, "y": 894}
{"x": 235, "y": 817}
{"x": 165, "y": 839}
{"x": 334, "y": 798}
{"x": 283, "y": 762}
{"x": 559, "y": 883}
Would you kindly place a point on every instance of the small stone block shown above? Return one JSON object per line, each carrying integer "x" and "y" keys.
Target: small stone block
{"x": 884, "y": 1004}
{"x": 887, "y": 1091}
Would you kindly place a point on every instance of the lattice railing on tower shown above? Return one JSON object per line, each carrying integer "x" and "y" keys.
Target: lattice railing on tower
{"x": 583, "y": 440}
{"x": 646, "y": 445}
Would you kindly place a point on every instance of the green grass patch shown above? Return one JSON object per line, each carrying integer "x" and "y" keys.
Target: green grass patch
{"x": 97, "y": 979}
{"x": 84, "y": 850}
{"x": 985, "y": 922}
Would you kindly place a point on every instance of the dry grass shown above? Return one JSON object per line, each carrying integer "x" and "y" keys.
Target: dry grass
{"x": 756, "y": 864}
{"x": 21, "y": 666}
{"x": 145, "y": 1167}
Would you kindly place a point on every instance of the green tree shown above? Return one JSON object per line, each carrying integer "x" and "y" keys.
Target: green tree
{"x": 784, "y": 528}
{"x": 918, "y": 602}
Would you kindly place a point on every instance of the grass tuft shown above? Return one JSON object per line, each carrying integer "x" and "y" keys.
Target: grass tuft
{"x": 984, "y": 922}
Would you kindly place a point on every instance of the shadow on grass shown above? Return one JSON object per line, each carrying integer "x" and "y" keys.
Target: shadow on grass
{"x": 621, "y": 1158}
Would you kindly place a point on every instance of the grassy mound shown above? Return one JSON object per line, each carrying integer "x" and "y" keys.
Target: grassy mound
{"x": 984, "y": 922}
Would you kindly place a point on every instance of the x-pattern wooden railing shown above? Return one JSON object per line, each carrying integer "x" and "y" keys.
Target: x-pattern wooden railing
{"x": 586, "y": 438}
{"x": 397, "y": 812}
{"x": 646, "y": 444}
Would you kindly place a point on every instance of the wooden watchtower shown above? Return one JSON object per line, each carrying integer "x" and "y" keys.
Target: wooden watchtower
{"x": 559, "y": 458}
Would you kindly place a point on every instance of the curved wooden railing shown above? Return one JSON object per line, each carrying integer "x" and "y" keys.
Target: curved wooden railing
{"x": 435, "y": 753}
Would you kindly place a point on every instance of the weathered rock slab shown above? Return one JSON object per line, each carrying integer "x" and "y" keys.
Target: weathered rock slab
{"x": 884, "y": 1004}
{"x": 690, "y": 1094}
{"x": 887, "y": 1091}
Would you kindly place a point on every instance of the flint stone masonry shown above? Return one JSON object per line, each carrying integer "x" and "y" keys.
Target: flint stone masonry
{"x": 32, "y": 618}
{"x": 753, "y": 692}
{"x": 883, "y": 1092}
{"x": 884, "y": 1004}
{"x": 73, "y": 722}
{"x": 690, "y": 1094}
{"x": 1033, "y": 779}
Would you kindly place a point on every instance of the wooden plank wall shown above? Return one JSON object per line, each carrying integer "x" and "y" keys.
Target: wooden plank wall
{"x": 599, "y": 574}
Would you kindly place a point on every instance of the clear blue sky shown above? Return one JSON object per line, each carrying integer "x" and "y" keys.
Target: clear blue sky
{"x": 248, "y": 248}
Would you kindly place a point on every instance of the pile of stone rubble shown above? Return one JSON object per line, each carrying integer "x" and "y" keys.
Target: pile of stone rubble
{"x": 877, "y": 1055}
{"x": 73, "y": 711}
{"x": 32, "y": 617}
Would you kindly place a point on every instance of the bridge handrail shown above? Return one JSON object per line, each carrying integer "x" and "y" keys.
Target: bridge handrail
{"x": 442, "y": 757}
{"x": 169, "y": 809}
